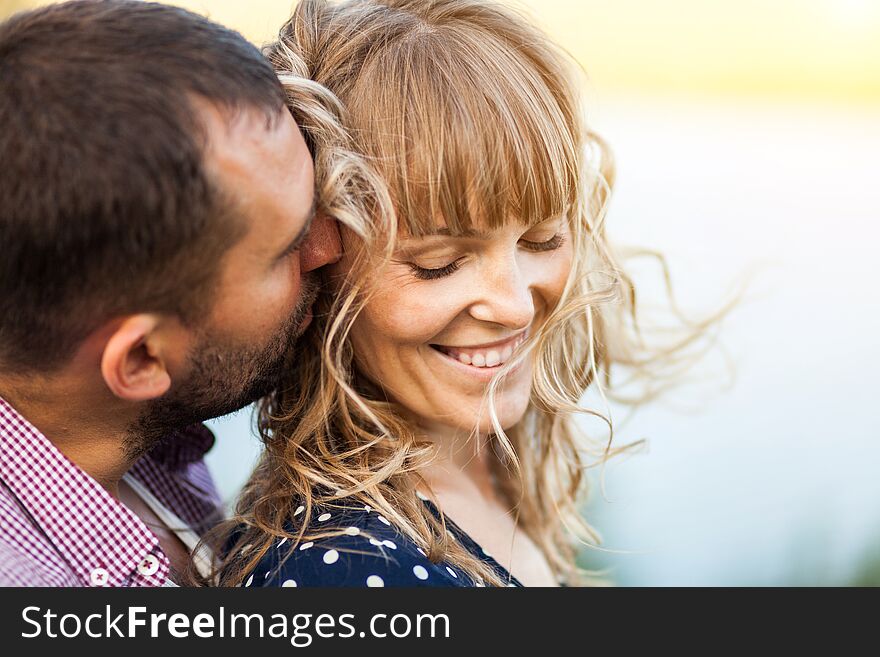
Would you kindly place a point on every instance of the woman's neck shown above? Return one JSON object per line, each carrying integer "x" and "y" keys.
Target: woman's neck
{"x": 463, "y": 461}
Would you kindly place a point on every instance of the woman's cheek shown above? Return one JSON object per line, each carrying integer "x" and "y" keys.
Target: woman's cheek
{"x": 558, "y": 271}
{"x": 412, "y": 313}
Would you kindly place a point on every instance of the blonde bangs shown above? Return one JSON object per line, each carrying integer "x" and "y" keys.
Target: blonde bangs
{"x": 466, "y": 128}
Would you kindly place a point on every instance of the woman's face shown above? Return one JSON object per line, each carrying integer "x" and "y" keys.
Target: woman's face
{"x": 448, "y": 312}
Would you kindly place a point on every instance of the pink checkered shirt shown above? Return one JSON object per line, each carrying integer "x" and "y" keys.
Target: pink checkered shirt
{"x": 59, "y": 527}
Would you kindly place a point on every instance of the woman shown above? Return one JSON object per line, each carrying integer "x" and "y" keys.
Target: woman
{"x": 429, "y": 440}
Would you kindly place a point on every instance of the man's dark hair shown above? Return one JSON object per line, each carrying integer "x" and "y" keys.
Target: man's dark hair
{"x": 105, "y": 205}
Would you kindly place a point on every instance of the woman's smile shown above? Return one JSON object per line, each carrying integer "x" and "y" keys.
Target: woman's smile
{"x": 482, "y": 361}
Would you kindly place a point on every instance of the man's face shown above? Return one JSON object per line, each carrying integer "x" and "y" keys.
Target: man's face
{"x": 267, "y": 281}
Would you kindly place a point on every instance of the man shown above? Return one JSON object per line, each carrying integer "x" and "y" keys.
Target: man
{"x": 158, "y": 247}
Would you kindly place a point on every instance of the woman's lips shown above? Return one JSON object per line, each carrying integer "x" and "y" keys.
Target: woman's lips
{"x": 482, "y": 359}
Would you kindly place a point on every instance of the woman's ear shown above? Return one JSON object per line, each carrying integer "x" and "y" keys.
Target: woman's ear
{"x": 133, "y": 364}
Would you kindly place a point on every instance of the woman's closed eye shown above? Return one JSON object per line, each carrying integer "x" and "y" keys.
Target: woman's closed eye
{"x": 548, "y": 245}
{"x": 427, "y": 274}
{"x": 433, "y": 273}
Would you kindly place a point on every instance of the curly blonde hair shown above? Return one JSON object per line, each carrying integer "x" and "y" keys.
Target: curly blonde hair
{"x": 460, "y": 109}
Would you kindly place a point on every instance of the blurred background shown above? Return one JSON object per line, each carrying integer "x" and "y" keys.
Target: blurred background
{"x": 747, "y": 137}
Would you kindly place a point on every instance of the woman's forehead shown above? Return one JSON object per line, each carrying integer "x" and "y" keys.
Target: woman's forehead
{"x": 476, "y": 229}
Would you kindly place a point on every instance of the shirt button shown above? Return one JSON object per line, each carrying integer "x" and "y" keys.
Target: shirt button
{"x": 149, "y": 566}
{"x": 100, "y": 577}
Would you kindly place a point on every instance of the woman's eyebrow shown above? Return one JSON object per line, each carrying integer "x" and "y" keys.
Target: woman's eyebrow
{"x": 470, "y": 233}
{"x": 464, "y": 233}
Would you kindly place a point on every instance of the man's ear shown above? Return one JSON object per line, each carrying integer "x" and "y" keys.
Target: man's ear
{"x": 133, "y": 364}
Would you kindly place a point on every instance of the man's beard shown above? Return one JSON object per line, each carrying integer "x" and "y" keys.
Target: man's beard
{"x": 223, "y": 378}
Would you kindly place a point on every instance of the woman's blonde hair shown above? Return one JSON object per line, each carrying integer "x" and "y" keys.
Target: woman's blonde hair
{"x": 465, "y": 111}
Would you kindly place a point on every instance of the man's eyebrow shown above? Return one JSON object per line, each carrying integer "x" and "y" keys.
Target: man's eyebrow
{"x": 301, "y": 236}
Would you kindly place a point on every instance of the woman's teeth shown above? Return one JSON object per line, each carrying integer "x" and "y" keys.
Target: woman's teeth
{"x": 490, "y": 357}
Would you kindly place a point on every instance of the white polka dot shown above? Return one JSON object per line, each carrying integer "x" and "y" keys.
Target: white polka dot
{"x": 282, "y": 542}
{"x": 420, "y": 572}
{"x": 299, "y": 510}
{"x": 289, "y": 582}
{"x": 389, "y": 544}
{"x": 385, "y": 520}
{"x": 324, "y": 517}
{"x": 512, "y": 585}
{"x": 373, "y": 541}
{"x": 352, "y": 531}
{"x": 450, "y": 535}
{"x": 367, "y": 508}
{"x": 249, "y": 581}
{"x": 486, "y": 553}
{"x": 331, "y": 556}
{"x": 422, "y": 496}
{"x": 306, "y": 546}
{"x": 424, "y": 554}
{"x": 481, "y": 584}
{"x": 451, "y": 572}
{"x": 374, "y": 581}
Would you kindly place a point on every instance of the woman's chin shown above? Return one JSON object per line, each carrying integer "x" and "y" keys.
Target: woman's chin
{"x": 508, "y": 414}
{"x": 511, "y": 404}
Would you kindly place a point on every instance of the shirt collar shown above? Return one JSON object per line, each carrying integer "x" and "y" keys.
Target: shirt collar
{"x": 102, "y": 540}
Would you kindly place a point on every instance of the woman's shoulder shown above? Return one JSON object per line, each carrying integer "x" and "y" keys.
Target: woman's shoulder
{"x": 368, "y": 551}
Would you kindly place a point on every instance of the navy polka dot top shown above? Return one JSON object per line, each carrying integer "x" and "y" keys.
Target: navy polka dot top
{"x": 370, "y": 553}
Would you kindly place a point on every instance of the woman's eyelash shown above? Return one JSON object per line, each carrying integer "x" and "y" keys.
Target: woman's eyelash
{"x": 425, "y": 274}
{"x": 432, "y": 274}
{"x": 550, "y": 245}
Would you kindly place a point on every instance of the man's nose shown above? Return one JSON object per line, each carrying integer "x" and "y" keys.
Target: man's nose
{"x": 322, "y": 245}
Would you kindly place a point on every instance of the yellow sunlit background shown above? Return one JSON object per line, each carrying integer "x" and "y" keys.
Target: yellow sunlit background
{"x": 795, "y": 48}
{"x": 746, "y": 135}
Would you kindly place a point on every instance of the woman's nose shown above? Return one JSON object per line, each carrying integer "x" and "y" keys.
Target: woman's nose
{"x": 506, "y": 297}
{"x": 322, "y": 245}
